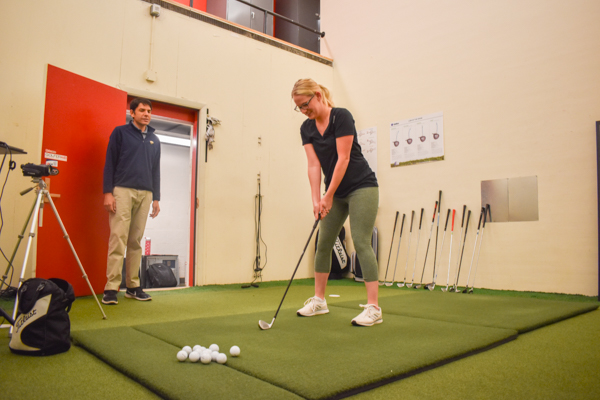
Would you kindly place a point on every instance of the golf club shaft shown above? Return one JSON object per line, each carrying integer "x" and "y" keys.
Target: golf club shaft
{"x": 475, "y": 246}
{"x": 398, "y": 251}
{"x": 437, "y": 229}
{"x": 412, "y": 217}
{"x": 435, "y": 269}
{"x": 427, "y": 250}
{"x": 479, "y": 250}
{"x": 450, "y": 253}
{"x": 417, "y": 248}
{"x": 391, "y": 246}
{"x": 297, "y": 265}
{"x": 462, "y": 250}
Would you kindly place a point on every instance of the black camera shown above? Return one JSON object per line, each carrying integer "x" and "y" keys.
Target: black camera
{"x": 37, "y": 171}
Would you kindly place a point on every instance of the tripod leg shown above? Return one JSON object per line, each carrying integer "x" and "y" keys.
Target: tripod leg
{"x": 36, "y": 211}
{"x": 12, "y": 258}
{"x": 66, "y": 236}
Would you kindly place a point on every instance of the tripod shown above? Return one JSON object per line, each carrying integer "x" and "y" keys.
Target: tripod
{"x": 42, "y": 192}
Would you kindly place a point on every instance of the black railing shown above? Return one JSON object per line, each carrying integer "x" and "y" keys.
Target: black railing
{"x": 291, "y": 21}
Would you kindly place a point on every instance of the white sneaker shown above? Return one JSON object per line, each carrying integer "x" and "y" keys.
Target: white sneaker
{"x": 369, "y": 317}
{"x": 313, "y": 306}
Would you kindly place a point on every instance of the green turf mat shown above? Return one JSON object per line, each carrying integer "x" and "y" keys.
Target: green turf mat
{"x": 324, "y": 356}
{"x": 153, "y": 363}
{"x": 75, "y": 374}
{"x": 519, "y": 313}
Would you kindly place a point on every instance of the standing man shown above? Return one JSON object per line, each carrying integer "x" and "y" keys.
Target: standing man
{"x": 131, "y": 185}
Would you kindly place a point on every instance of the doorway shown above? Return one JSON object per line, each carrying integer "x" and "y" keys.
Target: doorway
{"x": 169, "y": 234}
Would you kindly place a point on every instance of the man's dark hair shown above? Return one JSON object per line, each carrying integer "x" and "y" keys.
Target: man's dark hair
{"x": 137, "y": 101}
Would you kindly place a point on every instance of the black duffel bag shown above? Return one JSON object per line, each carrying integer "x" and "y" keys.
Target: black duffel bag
{"x": 160, "y": 275}
{"x": 42, "y": 326}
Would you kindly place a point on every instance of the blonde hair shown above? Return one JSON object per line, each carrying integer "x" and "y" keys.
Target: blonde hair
{"x": 308, "y": 87}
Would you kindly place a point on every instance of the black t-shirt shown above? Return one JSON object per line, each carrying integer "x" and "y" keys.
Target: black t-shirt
{"x": 358, "y": 174}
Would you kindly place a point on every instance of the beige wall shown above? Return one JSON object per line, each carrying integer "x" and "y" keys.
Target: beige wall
{"x": 517, "y": 81}
{"x": 519, "y": 85}
{"x": 241, "y": 81}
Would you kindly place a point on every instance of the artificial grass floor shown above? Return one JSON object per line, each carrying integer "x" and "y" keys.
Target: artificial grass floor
{"x": 561, "y": 359}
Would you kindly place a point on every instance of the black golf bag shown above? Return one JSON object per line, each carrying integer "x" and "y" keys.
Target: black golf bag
{"x": 355, "y": 264}
{"x": 43, "y": 326}
{"x": 339, "y": 258}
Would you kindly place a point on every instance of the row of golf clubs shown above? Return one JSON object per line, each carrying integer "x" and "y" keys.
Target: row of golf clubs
{"x": 484, "y": 215}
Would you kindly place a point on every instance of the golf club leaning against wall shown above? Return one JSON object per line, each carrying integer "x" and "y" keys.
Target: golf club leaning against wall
{"x": 420, "y": 284}
{"x": 412, "y": 217}
{"x": 408, "y": 285}
{"x": 264, "y": 325}
{"x": 397, "y": 252}
{"x": 391, "y": 246}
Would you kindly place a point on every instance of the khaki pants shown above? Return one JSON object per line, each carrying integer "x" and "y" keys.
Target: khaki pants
{"x": 127, "y": 227}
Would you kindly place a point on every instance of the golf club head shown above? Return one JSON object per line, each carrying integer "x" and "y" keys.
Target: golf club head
{"x": 466, "y": 290}
{"x": 409, "y": 285}
{"x": 381, "y": 283}
{"x": 445, "y": 289}
{"x": 264, "y": 326}
{"x": 400, "y": 284}
{"x": 418, "y": 286}
{"x": 452, "y": 289}
{"x": 389, "y": 283}
{"x": 470, "y": 291}
{"x": 431, "y": 286}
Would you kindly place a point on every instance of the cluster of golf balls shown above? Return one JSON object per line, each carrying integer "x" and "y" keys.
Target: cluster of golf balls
{"x": 206, "y": 355}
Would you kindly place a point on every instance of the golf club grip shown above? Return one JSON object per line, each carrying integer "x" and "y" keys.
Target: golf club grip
{"x": 467, "y": 226}
{"x": 489, "y": 210}
{"x": 434, "y": 210}
{"x": 480, "y": 218}
{"x": 402, "y": 224}
{"x": 447, "y": 218}
{"x": 440, "y": 202}
{"x": 463, "y": 217}
{"x": 453, "y": 212}
{"x": 484, "y": 211}
{"x": 421, "y": 219}
{"x": 412, "y": 217}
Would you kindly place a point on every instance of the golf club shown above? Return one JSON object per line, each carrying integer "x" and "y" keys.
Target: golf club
{"x": 455, "y": 287}
{"x": 431, "y": 285}
{"x": 462, "y": 226}
{"x": 416, "y": 250}
{"x": 397, "y": 252}
{"x": 485, "y": 214}
{"x": 450, "y": 253}
{"x": 466, "y": 290}
{"x": 264, "y": 325}
{"x": 427, "y": 251}
{"x": 412, "y": 217}
{"x": 437, "y": 229}
{"x": 391, "y": 246}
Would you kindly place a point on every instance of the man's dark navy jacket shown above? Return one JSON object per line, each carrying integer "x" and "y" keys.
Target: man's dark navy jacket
{"x": 133, "y": 161}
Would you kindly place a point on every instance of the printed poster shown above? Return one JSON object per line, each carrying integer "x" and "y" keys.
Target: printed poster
{"x": 417, "y": 140}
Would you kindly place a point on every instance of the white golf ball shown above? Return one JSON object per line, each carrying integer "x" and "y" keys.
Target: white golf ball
{"x": 182, "y": 355}
{"x": 197, "y": 348}
{"x": 194, "y": 356}
{"x": 205, "y": 358}
{"x": 222, "y": 358}
{"x": 187, "y": 349}
{"x": 214, "y": 355}
{"x": 214, "y": 347}
{"x": 234, "y": 351}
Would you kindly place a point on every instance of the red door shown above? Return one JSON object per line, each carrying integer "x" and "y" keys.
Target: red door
{"x": 79, "y": 117}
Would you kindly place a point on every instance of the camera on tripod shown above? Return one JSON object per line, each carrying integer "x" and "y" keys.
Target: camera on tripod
{"x": 37, "y": 171}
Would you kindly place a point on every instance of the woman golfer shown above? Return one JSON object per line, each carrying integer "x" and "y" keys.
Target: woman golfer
{"x": 330, "y": 141}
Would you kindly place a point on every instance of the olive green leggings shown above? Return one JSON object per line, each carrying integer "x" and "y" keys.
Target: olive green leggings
{"x": 361, "y": 205}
